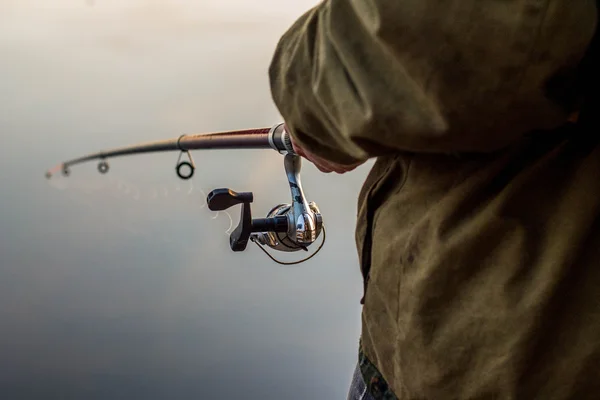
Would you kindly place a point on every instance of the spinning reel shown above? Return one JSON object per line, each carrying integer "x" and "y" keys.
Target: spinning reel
{"x": 288, "y": 227}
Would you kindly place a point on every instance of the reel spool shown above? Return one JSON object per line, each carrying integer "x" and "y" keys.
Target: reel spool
{"x": 280, "y": 240}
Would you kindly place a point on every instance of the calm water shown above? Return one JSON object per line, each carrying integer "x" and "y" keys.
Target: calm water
{"x": 123, "y": 286}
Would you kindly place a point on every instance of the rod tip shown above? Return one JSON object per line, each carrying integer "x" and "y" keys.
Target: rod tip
{"x": 48, "y": 175}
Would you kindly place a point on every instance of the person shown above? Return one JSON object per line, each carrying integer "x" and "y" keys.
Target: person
{"x": 478, "y": 225}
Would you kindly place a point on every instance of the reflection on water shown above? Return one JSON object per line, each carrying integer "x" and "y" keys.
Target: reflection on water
{"x": 123, "y": 285}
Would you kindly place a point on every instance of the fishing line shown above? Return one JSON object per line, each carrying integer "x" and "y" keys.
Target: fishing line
{"x": 85, "y": 192}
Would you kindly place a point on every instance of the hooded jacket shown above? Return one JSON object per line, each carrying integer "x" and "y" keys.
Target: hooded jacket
{"x": 478, "y": 227}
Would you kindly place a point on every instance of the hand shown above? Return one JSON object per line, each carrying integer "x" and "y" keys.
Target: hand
{"x": 322, "y": 164}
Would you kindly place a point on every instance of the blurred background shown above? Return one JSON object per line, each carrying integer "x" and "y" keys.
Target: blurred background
{"x": 123, "y": 285}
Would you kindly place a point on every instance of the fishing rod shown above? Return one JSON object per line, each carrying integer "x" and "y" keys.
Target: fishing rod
{"x": 288, "y": 227}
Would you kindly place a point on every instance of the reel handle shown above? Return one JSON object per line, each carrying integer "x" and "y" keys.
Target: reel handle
{"x": 222, "y": 199}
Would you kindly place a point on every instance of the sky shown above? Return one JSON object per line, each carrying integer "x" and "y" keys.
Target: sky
{"x": 123, "y": 285}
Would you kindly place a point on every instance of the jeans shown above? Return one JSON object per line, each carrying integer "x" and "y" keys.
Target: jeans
{"x": 358, "y": 388}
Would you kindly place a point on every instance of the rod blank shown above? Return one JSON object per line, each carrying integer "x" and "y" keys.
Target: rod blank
{"x": 244, "y": 139}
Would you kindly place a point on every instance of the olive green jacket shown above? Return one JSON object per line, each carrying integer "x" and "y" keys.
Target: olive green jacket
{"x": 478, "y": 228}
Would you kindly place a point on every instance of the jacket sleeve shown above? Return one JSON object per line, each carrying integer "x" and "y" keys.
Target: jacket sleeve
{"x": 355, "y": 79}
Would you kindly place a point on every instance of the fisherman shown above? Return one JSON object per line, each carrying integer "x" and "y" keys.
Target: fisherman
{"x": 478, "y": 226}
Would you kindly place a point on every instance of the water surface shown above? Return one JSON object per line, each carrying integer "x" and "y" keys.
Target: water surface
{"x": 123, "y": 286}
